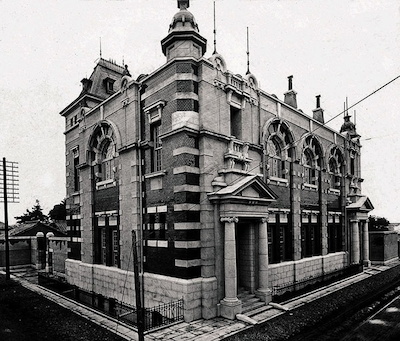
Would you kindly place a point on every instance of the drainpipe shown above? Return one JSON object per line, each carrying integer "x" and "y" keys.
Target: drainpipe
{"x": 139, "y": 144}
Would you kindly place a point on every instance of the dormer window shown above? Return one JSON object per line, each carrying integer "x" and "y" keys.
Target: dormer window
{"x": 109, "y": 85}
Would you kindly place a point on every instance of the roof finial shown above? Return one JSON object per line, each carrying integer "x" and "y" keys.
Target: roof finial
{"x": 248, "y": 53}
{"x": 215, "y": 32}
{"x": 183, "y": 4}
{"x": 100, "y": 47}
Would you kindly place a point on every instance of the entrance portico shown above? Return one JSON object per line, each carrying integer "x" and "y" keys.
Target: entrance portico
{"x": 243, "y": 208}
{"x": 358, "y": 218}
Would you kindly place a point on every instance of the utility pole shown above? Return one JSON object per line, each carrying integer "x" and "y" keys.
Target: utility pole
{"x": 139, "y": 308}
{"x": 10, "y": 178}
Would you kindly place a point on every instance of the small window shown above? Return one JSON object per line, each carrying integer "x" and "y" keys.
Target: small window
{"x": 157, "y": 146}
{"x": 236, "y": 123}
{"x": 109, "y": 85}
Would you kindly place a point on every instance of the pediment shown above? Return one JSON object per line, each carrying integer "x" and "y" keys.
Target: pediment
{"x": 250, "y": 188}
{"x": 362, "y": 204}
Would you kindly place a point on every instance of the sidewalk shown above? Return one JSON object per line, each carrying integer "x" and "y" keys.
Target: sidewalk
{"x": 200, "y": 330}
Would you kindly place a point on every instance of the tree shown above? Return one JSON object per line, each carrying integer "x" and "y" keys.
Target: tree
{"x": 58, "y": 212}
{"x": 35, "y": 214}
{"x": 378, "y": 223}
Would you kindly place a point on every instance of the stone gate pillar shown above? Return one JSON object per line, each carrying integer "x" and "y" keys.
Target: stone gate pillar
{"x": 355, "y": 241}
{"x": 230, "y": 305}
{"x": 366, "y": 260}
{"x": 263, "y": 292}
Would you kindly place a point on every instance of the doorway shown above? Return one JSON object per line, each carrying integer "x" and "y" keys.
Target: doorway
{"x": 246, "y": 257}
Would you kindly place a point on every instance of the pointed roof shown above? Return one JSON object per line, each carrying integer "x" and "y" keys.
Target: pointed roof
{"x": 362, "y": 204}
{"x": 250, "y": 189}
{"x": 31, "y": 228}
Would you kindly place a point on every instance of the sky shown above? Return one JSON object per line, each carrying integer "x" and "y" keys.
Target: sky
{"x": 336, "y": 49}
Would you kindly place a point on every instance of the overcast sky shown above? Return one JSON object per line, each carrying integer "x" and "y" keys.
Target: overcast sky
{"x": 334, "y": 48}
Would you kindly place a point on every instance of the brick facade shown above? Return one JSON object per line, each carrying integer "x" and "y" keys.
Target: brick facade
{"x": 179, "y": 153}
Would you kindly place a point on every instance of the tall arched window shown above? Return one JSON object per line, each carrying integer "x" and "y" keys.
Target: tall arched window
{"x": 275, "y": 158}
{"x": 312, "y": 160}
{"x": 335, "y": 167}
{"x": 107, "y": 162}
{"x": 278, "y": 149}
{"x": 309, "y": 170}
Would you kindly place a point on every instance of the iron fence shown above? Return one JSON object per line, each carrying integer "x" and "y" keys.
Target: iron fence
{"x": 154, "y": 317}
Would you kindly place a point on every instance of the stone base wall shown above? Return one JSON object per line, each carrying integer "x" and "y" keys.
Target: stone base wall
{"x": 289, "y": 272}
{"x": 199, "y": 295}
{"x": 383, "y": 246}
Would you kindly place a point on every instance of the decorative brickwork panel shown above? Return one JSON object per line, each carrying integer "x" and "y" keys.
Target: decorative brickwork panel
{"x": 187, "y": 235}
{"x": 187, "y": 179}
{"x": 184, "y": 86}
{"x": 187, "y": 254}
{"x": 187, "y": 197}
{"x": 187, "y": 216}
{"x": 333, "y": 202}
{"x": 186, "y": 160}
{"x": 310, "y": 200}
{"x": 184, "y": 68}
{"x": 187, "y": 105}
{"x": 107, "y": 199}
{"x": 283, "y": 194}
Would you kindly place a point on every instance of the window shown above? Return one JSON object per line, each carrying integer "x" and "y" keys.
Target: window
{"x": 107, "y": 162}
{"x": 312, "y": 160}
{"x": 335, "y": 233}
{"x": 280, "y": 238}
{"x": 108, "y": 240}
{"x": 236, "y": 123}
{"x": 76, "y": 173}
{"x": 156, "y": 158}
{"x": 309, "y": 171}
{"x": 109, "y": 85}
{"x": 275, "y": 164}
{"x": 311, "y": 236}
{"x": 278, "y": 149}
{"x": 334, "y": 167}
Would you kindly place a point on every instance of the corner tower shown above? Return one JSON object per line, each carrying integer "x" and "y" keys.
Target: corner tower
{"x": 183, "y": 39}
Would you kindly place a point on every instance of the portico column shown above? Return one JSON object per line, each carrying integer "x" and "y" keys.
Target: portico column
{"x": 366, "y": 260}
{"x": 355, "y": 242}
{"x": 230, "y": 305}
{"x": 263, "y": 292}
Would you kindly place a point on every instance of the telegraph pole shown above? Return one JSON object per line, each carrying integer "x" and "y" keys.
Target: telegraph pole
{"x": 6, "y": 219}
{"x": 10, "y": 179}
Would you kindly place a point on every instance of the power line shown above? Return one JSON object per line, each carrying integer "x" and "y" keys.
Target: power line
{"x": 291, "y": 145}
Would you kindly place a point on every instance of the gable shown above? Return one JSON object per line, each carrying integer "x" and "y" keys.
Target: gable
{"x": 251, "y": 188}
{"x": 250, "y": 192}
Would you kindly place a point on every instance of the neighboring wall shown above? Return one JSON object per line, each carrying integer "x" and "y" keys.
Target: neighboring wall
{"x": 383, "y": 246}
{"x": 20, "y": 251}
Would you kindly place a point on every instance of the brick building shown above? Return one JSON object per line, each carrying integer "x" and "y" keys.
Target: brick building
{"x": 228, "y": 187}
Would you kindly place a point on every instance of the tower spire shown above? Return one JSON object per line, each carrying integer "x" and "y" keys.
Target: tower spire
{"x": 215, "y": 32}
{"x": 100, "y": 48}
{"x": 248, "y": 53}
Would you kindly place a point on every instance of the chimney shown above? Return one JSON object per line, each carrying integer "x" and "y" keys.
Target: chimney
{"x": 290, "y": 95}
{"x": 318, "y": 112}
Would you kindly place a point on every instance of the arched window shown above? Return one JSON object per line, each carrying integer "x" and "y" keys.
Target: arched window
{"x": 107, "y": 162}
{"x": 309, "y": 170}
{"x": 278, "y": 149}
{"x": 275, "y": 158}
{"x": 312, "y": 160}
{"x": 334, "y": 167}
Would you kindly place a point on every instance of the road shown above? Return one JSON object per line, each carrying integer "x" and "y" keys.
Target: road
{"x": 384, "y": 325}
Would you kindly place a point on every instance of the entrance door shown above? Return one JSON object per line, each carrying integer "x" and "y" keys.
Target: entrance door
{"x": 246, "y": 255}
